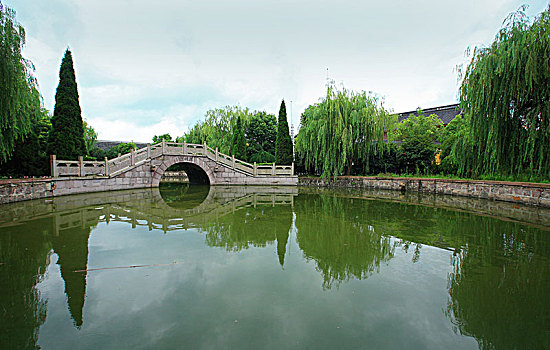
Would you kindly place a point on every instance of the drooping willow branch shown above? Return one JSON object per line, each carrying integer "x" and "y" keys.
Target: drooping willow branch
{"x": 345, "y": 127}
{"x": 506, "y": 93}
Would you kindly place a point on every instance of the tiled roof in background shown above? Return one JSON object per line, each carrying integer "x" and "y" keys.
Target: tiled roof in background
{"x": 445, "y": 113}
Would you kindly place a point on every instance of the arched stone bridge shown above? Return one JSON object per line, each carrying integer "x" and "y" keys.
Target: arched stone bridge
{"x": 145, "y": 167}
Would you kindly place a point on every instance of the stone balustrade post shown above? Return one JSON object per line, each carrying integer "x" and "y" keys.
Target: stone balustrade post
{"x": 216, "y": 154}
{"x": 184, "y": 147}
{"x": 292, "y": 171}
{"x": 53, "y": 166}
{"x": 255, "y": 172}
{"x": 163, "y": 146}
{"x": 273, "y": 169}
{"x": 106, "y": 166}
{"x": 80, "y": 166}
{"x": 205, "y": 148}
{"x": 148, "y": 151}
{"x": 133, "y": 157}
{"x": 233, "y": 161}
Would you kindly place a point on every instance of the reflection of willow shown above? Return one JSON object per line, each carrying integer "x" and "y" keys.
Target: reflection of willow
{"x": 24, "y": 252}
{"x": 331, "y": 232}
{"x": 23, "y": 266}
{"x": 499, "y": 285}
{"x": 254, "y": 227}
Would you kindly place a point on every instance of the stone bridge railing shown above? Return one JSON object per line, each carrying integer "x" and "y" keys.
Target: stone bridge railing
{"x": 123, "y": 163}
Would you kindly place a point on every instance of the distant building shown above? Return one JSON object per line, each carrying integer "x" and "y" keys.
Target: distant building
{"x": 106, "y": 144}
{"x": 444, "y": 113}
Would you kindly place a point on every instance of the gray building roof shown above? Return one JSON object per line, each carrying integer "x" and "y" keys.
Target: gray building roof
{"x": 445, "y": 113}
{"x": 106, "y": 144}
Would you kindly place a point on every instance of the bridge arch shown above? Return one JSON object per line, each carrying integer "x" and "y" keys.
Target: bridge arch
{"x": 198, "y": 171}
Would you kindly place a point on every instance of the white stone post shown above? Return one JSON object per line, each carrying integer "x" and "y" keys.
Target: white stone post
{"x": 233, "y": 161}
{"x": 255, "y": 169}
{"x": 184, "y": 147}
{"x": 216, "y": 154}
{"x": 163, "y": 146}
{"x": 81, "y": 165}
{"x": 292, "y": 172}
{"x": 133, "y": 157}
{"x": 273, "y": 169}
{"x": 106, "y": 166}
{"x": 205, "y": 149}
{"x": 148, "y": 151}
{"x": 53, "y": 166}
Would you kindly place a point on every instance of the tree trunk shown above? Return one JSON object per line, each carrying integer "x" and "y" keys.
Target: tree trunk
{"x": 350, "y": 164}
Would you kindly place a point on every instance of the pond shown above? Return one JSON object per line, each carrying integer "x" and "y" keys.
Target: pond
{"x": 273, "y": 267}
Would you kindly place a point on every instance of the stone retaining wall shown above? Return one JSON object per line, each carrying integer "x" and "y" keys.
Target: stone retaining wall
{"x": 21, "y": 190}
{"x": 174, "y": 177}
{"x": 516, "y": 192}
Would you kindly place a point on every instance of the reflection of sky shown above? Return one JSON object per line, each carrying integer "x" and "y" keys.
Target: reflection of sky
{"x": 196, "y": 302}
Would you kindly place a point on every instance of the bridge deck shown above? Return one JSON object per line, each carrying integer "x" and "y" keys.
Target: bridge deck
{"x": 113, "y": 167}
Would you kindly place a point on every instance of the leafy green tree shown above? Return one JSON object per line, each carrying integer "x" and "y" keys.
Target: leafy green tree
{"x": 506, "y": 93}
{"x": 90, "y": 136}
{"x": 97, "y": 153}
{"x": 387, "y": 161}
{"x": 29, "y": 157}
{"x": 218, "y": 127}
{"x": 121, "y": 148}
{"x": 283, "y": 144}
{"x": 239, "y": 144}
{"x": 344, "y": 128}
{"x": 194, "y": 135}
{"x": 66, "y": 139}
{"x": 455, "y": 139}
{"x": 19, "y": 97}
{"x": 418, "y": 135}
{"x": 165, "y": 137}
{"x": 261, "y": 135}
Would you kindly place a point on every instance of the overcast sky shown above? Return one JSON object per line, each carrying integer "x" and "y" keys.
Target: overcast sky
{"x": 153, "y": 67}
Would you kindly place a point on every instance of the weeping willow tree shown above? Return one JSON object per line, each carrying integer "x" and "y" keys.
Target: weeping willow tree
{"x": 506, "y": 93}
{"x": 218, "y": 127}
{"x": 19, "y": 97}
{"x": 345, "y": 127}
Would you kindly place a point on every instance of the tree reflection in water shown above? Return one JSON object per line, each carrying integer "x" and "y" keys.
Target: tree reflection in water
{"x": 25, "y": 256}
{"x": 497, "y": 284}
{"x": 500, "y": 272}
{"x": 333, "y": 232}
{"x": 22, "y": 310}
{"x": 252, "y": 227}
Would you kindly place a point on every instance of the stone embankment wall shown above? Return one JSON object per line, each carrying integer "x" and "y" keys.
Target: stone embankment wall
{"x": 174, "y": 177}
{"x": 517, "y": 192}
{"x": 21, "y": 190}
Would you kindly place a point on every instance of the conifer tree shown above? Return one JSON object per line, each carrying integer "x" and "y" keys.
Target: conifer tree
{"x": 283, "y": 144}
{"x": 66, "y": 140}
{"x": 239, "y": 144}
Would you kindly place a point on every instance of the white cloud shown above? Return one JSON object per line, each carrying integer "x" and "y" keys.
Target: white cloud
{"x": 144, "y": 66}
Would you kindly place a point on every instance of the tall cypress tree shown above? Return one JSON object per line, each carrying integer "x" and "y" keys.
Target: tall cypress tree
{"x": 283, "y": 144}
{"x": 239, "y": 143}
{"x": 66, "y": 140}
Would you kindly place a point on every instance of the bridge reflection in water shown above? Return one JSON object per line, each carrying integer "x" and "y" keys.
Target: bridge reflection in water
{"x": 498, "y": 273}
{"x": 149, "y": 208}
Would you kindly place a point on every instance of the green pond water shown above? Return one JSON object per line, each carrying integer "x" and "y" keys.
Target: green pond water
{"x": 272, "y": 268}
